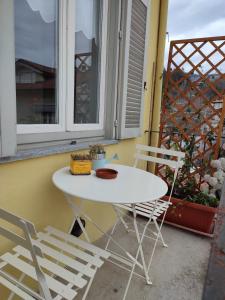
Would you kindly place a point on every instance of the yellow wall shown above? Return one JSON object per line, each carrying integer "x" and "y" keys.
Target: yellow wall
{"x": 157, "y": 92}
{"x": 26, "y": 187}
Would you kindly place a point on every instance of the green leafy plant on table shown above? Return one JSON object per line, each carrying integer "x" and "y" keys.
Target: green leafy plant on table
{"x": 97, "y": 151}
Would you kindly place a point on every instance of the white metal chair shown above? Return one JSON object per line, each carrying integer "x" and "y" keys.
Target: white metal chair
{"x": 153, "y": 210}
{"x": 57, "y": 263}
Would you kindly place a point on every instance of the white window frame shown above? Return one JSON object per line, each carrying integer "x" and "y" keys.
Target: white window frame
{"x": 65, "y": 80}
{"x": 71, "y": 126}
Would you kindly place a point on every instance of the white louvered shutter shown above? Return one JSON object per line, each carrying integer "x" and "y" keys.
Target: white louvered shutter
{"x": 134, "y": 47}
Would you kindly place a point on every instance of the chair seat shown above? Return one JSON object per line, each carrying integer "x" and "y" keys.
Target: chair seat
{"x": 148, "y": 209}
{"x": 68, "y": 263}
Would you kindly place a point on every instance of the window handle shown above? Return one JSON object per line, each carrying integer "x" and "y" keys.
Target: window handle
{"x": 145, "y": 85}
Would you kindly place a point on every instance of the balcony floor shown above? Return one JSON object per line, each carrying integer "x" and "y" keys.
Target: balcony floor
{"x": 178, "y": 272}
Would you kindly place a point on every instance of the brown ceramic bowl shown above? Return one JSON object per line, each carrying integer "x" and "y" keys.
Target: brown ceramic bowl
{"x": 105, "y": 173}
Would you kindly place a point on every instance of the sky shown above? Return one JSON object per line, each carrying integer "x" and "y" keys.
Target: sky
{"x": 195, "y": 18}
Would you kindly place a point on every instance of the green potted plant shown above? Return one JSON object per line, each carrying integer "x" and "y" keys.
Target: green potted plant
{"x": 98, "y": 156}
{"x": 97, "y": 153}
{"x": 192, "y": 206}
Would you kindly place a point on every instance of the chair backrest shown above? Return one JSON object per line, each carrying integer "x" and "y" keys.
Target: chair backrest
{"x": 26, "y": 241}
{"x": 175, "y": 163}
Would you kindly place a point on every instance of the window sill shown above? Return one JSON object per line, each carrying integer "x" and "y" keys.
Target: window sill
{"x": 52, "y": 150}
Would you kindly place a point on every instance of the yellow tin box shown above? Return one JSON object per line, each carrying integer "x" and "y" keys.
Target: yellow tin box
{"x": 80, "y": 167}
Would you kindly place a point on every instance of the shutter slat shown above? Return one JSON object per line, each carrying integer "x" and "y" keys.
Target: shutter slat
{"x": 133, "y": 104}
{"x": 134, "y": 71}
{"x": 137, "y": 28}
{"x": 134, "y": 99}
{"x": 135, "y": 89}
{"x": 140, "y": 7}
{"x": 134, "y": 82}
{"x": 132, "y": 125}
{"x": 138, "y": 13}
{"x": 136, "y": 25}
{"x": 136, "y": 62}
{"x": 136, "y": 68}
{"x": 134, "y": 77}
{"x": 138, "y": 37}
{"x": 133, "y": 119}
{"x": 137, "y": 52}
{"x": 132, "y": 108}
{"x": 134, "y": 94}
{"x": 135, "y": 58}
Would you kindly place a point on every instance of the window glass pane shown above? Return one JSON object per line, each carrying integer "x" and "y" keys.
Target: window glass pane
{"x": 86, "y": 106}
{"x": 36, "y": 40}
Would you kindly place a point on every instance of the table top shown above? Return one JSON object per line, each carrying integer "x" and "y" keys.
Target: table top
{"x": 132, "y": 185}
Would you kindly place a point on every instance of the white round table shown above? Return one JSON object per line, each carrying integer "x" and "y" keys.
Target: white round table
{"x": 132, "y": 185}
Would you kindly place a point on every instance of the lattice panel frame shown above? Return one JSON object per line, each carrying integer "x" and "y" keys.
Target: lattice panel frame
{"x": 193, "y": 101}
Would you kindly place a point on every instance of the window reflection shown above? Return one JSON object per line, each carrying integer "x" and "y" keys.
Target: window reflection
{"x": 36, "y": 36}
{"x": 86, "y": 62}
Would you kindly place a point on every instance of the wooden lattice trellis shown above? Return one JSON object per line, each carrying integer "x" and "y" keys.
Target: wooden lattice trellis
{"x": 192, "y": 107}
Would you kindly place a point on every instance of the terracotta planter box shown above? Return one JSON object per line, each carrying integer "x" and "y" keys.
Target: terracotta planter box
{"x": 191, "y": 215}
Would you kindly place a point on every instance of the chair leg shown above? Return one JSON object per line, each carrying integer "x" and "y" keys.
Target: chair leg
{"x": 88, "y": 287}
{"x": 159, "y": 233}
{"x": 140, "y": 249}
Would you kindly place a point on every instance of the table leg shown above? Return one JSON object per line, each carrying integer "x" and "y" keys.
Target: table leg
{"x": 111, "y": 233}
{"x": 120, "y": 218}
{"x": 77, "y": 211}
{"x": 139, "y": 250}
